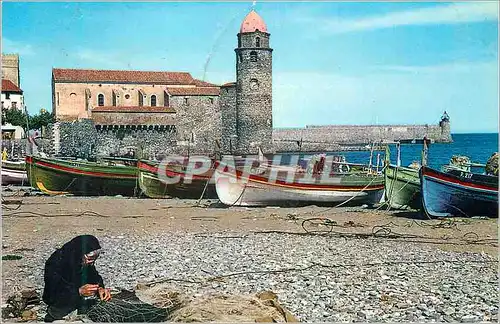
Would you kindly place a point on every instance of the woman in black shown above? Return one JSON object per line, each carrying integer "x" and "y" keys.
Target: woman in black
{"x": 71, "y": 279}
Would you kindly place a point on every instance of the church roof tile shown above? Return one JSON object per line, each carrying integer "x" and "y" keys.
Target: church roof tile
{"x": 156, "y": 77}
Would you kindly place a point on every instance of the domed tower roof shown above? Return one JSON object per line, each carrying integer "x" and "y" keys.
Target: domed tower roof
{"x": 253, "y": 22}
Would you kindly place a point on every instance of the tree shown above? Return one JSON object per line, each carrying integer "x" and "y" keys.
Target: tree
{"x": 18, "y": 118}
{"x": 42, "y": 119}
{"x": 14, "y": 117}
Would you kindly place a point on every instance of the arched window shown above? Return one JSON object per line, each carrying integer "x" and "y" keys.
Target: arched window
{"x": 240, "y": 57}
{"x": 253, "y": 56}
{"x": 153, "y": 100}
{"x": 100, "y": 99}
{"x": 257, "y": 41}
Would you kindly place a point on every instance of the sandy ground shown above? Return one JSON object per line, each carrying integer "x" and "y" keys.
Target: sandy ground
{"x": 28, "y": 222}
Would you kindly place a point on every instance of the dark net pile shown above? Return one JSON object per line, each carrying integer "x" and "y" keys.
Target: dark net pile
{"x": 125, "y": 309}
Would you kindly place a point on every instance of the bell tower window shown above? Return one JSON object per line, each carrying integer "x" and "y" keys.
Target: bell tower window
{"x": 253, "y": 56}
{"x": 257, "y": 42}
{"x": 153, "y": 100}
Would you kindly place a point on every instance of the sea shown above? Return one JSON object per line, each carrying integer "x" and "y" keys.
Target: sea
{"x": 478, "y": 147}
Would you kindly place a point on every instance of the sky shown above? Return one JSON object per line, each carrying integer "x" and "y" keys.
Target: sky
{"x": 349, "y": 63}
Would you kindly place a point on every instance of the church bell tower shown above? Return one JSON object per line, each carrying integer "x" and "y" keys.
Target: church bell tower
{"x": 254, "y": 87}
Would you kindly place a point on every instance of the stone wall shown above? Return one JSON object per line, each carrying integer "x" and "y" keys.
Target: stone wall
{"x": 77, "y": 139}
{"x": 296, "y": 146}
{"x": 353, "y": 134}
{"x": 198, "y": 123}
{"x": 164, "y": 116}
{"x": 10, "y": 68}
{"x": 228, "y": 115}
{"x": 146, "y": 143}
{"x": 83, "y": 139}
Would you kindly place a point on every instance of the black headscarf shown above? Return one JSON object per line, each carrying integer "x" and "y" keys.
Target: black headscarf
{"x": 65, "y": 274}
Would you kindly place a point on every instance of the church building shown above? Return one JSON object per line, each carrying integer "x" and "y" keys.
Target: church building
{"x": 232, "y": 118}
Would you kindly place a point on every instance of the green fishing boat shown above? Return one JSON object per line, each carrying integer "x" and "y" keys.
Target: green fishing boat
{"x": 55, "y": 177}
{"x": 14, "y": 165}
{"x": 153, "y": 187}
{"x": 402, "y": 184}
{"x": 149, "y": 183}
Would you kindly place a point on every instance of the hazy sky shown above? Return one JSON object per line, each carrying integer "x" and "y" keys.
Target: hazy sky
{"x": 333, "y": 63}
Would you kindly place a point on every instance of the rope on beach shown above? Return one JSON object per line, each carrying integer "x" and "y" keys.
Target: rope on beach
{"x": 84, "y": 213}
{"x": 385, "y": 232}
{"x": 6, "y": 203}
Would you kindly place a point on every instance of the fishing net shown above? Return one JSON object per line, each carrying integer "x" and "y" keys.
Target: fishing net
{"x": 125, "y": 312}
{"x": 492, "y": 165}
{"x": 126, "y": 307}
{"x": 461, "y": 162}
{"x": 162, "y": 303}
{"x": 215, "y": 307}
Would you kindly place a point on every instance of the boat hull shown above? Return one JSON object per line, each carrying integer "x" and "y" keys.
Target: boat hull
{"x": 81, "y": 178}
{"x": 14, "y": 172}
{"x": 458, "y": 194}
{"x": 402, "y": 187}
{"x": 10, "y": 177}
{"x": 152, "y": 186}
{"x": 256, "y": 191}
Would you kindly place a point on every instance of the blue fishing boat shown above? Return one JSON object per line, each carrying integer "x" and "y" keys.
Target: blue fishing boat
{"x": 458, "y": 193}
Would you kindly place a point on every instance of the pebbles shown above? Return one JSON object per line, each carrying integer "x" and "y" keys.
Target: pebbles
{"x": 317, "y": 278}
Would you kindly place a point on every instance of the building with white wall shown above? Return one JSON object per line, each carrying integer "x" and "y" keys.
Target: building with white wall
{"x": 12, "y": 96}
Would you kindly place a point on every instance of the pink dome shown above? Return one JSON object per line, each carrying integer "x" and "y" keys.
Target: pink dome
{"x": 253, "y": 22}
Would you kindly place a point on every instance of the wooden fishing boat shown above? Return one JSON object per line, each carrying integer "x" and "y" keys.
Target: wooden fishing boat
{"x": 173, "y": 183}
{"x": 14, "y": 172}
{"x": 402, "y": 184}
{"x": 458, "y": 193}
{"x": 54, "y": 176}
{"x": 402, "y": 187}
{"x": 296, "y": 186}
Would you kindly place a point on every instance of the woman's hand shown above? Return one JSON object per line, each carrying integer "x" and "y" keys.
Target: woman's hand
{"x": 104, "y": 294}
{"x": 88, "y": 290}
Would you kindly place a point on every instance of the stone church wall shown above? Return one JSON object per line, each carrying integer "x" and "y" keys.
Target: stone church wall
{"x": 229, "y": 119}
{"x": 69, "y": 97}
{"x": 198, "y": 123}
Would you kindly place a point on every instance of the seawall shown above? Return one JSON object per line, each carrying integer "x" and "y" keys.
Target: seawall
{"x": 323, "y": 137}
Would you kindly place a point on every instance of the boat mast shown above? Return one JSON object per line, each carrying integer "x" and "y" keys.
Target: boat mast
{"x": 398, "y": 147}
{"x": 424, "y": 153}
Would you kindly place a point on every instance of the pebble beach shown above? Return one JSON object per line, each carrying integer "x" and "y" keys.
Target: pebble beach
{"x": 432, "y": 272}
